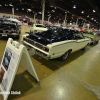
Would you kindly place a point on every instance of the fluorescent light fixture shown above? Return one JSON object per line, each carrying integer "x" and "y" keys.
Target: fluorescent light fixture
{"x": 74, "y": 6}
{"x": 93, "y": 10}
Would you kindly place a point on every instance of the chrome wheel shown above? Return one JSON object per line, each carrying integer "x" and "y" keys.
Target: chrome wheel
{"x": 65, "y": 56}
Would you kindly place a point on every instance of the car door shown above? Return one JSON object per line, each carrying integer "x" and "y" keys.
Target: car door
{"x": 81, "y": 42}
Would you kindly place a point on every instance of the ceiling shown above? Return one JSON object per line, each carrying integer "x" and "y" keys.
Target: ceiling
{"x": 87, "y": 11}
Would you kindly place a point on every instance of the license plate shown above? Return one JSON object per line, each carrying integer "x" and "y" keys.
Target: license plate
{"x": 4, "y": 34}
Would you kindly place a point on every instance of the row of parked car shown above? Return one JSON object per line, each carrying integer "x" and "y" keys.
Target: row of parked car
{"x": 50, "y": 42}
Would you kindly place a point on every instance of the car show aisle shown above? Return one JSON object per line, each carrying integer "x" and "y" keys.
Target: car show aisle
{"x": 76, "y": 78}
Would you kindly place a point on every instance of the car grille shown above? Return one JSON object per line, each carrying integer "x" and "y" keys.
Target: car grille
{"x": 33, "y": 43}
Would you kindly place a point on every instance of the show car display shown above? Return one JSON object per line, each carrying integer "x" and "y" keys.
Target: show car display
{"x": 10, "y": 28}
{"x": 93, "y": 36}
{"x": 37, "y": 28}
{"x": 52, "y": 44}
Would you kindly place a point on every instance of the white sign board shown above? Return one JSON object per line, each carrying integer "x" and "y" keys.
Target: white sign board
{"x": 14, "y": 52}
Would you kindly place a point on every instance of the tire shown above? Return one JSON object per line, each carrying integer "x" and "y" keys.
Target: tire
{"x": 97, "y": 42}
{"x": 17, "y": 37}
{"x": 84, "y": 48}
{"x": 64, "y": 56}
{"x": 19, "y": 32}
{"x": 31, "y": 31}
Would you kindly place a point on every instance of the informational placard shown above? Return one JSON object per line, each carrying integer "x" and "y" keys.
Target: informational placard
{"x": 14, "y": 53}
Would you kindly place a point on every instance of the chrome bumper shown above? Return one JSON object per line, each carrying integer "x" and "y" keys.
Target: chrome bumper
{"x": 35, "y": 51}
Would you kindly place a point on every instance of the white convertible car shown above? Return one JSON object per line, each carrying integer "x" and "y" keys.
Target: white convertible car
{"x": 52, "y": 44}
{"x": 37, "y": 28}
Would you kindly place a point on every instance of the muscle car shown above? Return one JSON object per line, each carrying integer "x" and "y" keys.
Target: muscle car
{"x": 10, "y": 28}
{"x": 37, "y": 28}
{"x": 52, "y": 44}
{"x": 93, "y": 36}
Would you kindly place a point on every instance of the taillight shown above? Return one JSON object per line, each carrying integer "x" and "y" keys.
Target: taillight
{"x": 46, "y": 49}
{"x": 24, "y": 39}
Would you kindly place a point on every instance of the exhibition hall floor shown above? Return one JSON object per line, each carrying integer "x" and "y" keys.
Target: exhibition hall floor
{"x": 77, "y": 78}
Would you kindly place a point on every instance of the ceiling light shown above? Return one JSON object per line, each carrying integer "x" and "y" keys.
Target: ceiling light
{"x": 88, "y": 16}
{"x": 39, "y": 12}
{"x": 49, "y": 14}
{"x": 82, "y": 12}
{"x": 16, "y": 8}
{"x": 6, "y": 5}
{"x": 55, "y": 7}
{"x": 29, "y": 10}
{"x": 74, "y": 6}
{"x": 22, "y": 8}
{"x": 93, "y": 10}
{"x": 53, "y": 10}
{"x": 94, "y": 20}
{"x": 0, "y": 5}
{"x": 91, "y": 18}
{"x": 54, "y": 18}
{"x": 10, "y": 5}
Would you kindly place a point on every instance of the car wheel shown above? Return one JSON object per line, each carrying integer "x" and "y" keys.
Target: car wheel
{"x": 97, "y": 41}
{"x": 31, "y": 31}
{"x": 84, "y": 48}
{"x": 17, "y": 37}
{"x": 64, "y": 56}
{"x": 19, "y": 32}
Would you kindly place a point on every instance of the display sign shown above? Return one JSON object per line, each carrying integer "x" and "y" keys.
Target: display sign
{"x": 14, "y": 52}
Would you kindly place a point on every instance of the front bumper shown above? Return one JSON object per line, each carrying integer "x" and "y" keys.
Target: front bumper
{"x": 35, "y": 51}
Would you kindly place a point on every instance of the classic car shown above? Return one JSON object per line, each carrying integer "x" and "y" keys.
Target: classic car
{"x": 52, "y": 44}
{"x": 37, "y": 28}
{"x": 10, "y": 28}
{"x": 93, "y": 36}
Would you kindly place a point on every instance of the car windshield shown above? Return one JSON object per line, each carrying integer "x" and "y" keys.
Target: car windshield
{"x": 40, "y": 26}
{"x": 59, "y": 33}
